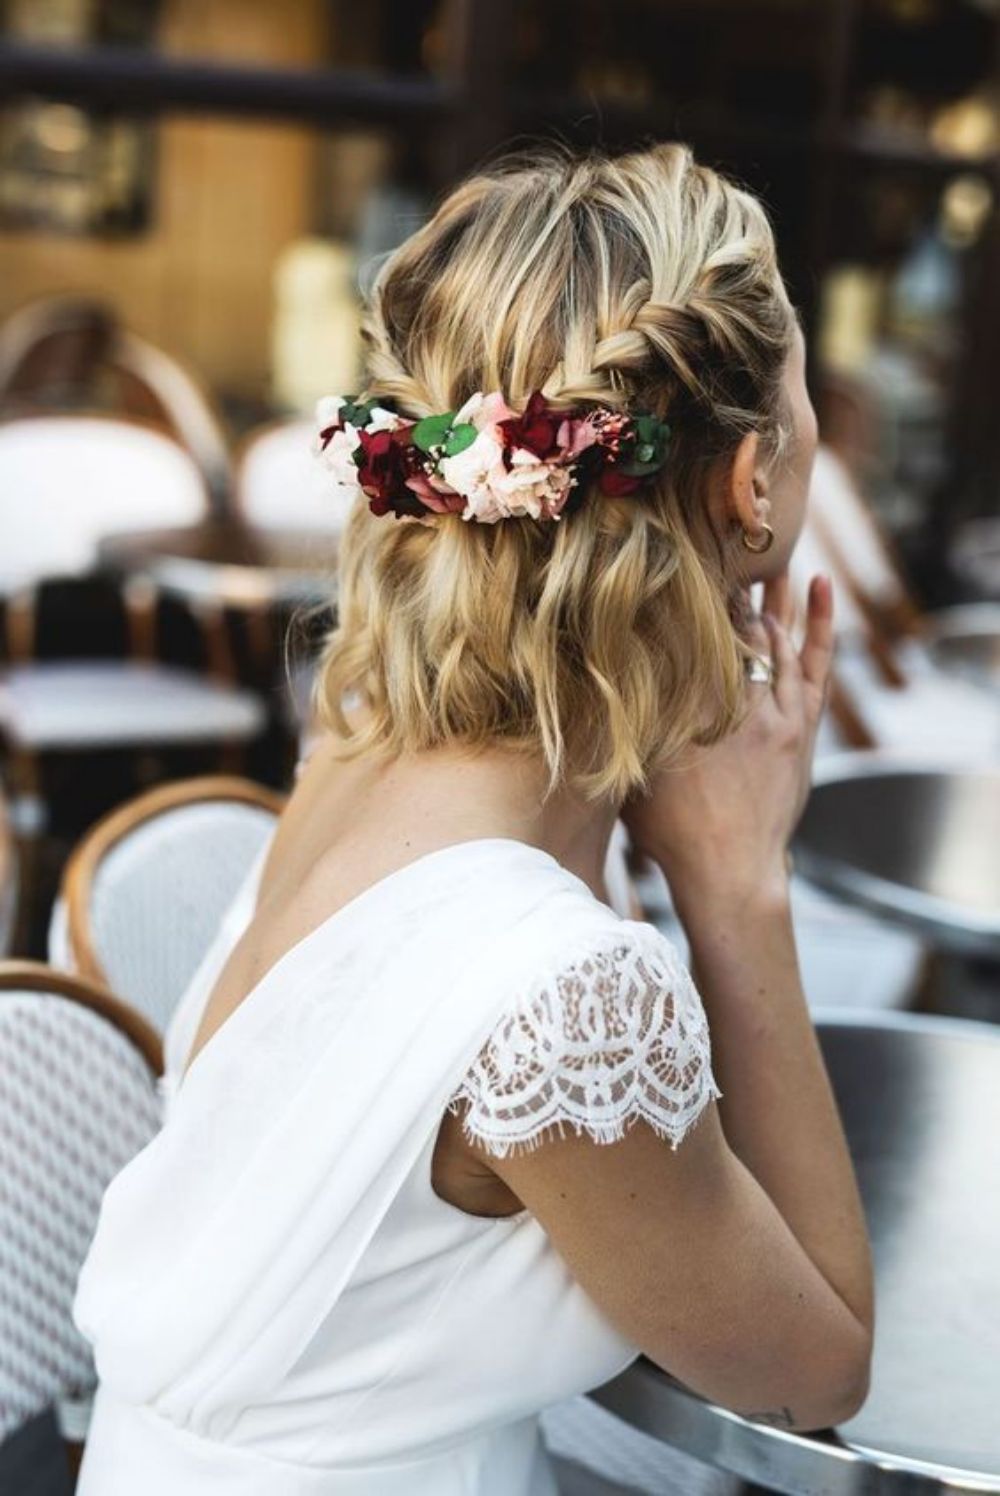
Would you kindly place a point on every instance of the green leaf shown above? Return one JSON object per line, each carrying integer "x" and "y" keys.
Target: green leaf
{"x": 636, "y": 469}
{"x": 432, "y": 431}
{"x": 357, "y": 412}
{"x": 651, "y": 447}
{"x": 459, "y": 438}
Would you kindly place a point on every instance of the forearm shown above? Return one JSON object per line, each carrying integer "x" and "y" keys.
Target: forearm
{"x": 777, "y": 1107}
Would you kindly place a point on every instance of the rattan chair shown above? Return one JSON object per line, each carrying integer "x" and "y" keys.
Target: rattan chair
{"x": 145, "y": 890}
{"x": 8, "y": 879}
{"x": 78, "y": 1101}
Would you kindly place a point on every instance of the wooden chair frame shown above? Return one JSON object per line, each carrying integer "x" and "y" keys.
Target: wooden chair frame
{"x": 151, "y": 380}
{"x": 77, "y": 883}
{"x": 36, "y": 976}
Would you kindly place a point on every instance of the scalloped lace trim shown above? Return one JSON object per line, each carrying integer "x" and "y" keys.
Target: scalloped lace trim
{"x": 617, "y": 1035}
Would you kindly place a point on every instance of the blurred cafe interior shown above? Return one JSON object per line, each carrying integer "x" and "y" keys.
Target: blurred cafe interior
{"x": 194, "y": 197}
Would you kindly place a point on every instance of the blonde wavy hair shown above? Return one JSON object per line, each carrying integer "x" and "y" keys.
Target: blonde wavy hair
{"x": 610, "y": 640}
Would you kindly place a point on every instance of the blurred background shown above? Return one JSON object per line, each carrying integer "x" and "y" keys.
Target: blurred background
{"x": 194, "y": 197}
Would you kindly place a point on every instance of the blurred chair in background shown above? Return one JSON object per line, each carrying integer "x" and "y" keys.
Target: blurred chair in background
{"x": 144, "y": 893}
{"x": 77, "y": 1103}
{"x": 280, "y": 487}
{"x": 888, "y": 690}
{"x": 67, "y": 483}
{"x": 70, "y": 353}
{"x": 52, "y": 354}
{"x": 8, "y": 878}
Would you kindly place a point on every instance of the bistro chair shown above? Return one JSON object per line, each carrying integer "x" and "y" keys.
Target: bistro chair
{"x": 78, "y": 1101}
{"x": 8, "y": 879}
{"x": 887, "y": 689}
{"x": 144, "y": 892}
{"x": 67, "y": 483}
{"x": 280, "y": 488}
{"x": 69, "y": 352}
{"x": 176, "y": 398}
{"x": 280, "y": 485}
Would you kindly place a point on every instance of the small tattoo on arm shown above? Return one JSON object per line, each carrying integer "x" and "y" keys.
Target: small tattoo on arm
{"x": 775, "y": 1418}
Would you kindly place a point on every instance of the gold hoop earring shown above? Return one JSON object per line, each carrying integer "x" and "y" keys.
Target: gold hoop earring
{"x": 759, "y": 549}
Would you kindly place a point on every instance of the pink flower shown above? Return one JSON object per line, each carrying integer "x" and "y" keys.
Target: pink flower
{"x": 532, "y": 486}
{"x": 483, "y": 412}
{"x": 435, "y": 493}
{"x": 575, "y": 436}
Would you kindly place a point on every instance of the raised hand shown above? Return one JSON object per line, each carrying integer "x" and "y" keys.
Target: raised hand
{"x": 720, "y": 820}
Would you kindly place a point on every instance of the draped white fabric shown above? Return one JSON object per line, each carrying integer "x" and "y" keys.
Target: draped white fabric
{"x": 274, "y": 1279}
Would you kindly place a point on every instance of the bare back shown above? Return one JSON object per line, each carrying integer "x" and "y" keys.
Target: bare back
{"x": 334, "y": 840}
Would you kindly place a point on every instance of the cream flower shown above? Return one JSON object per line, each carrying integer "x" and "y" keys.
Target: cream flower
{"x": 338, "y": 456}
{"x": 469, "y": 410}
{"x": 382, "y": 420}
{"x": 532, "y": 486}
{"x": 328, "y": 409}
{"x": 470, "y": 473}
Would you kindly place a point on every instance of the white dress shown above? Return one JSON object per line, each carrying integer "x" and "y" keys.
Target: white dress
{"x": 278, "y": 1301}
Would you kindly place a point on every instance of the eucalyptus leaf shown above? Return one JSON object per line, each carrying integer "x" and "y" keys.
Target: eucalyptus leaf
{"x": 636, "y": 469}
{"x": 432, "y": 431}
{"x": 357, "y": 412}
{"x": 459, "y": 438}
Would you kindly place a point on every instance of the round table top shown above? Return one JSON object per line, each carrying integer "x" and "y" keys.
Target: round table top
{"x": 910, "y": 841}
{"x": 920, "y": 1101}
{"x": 966, "y": 640}
{"x": 226, "y": 563}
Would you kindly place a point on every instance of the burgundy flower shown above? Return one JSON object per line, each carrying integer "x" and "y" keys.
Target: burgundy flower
{"x": 615, "y": 483}
{"x": 537, "y": 430}
{"x": 387, "y": 462}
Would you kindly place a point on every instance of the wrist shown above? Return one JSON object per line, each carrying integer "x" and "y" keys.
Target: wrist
{"x": 705, "y": 895}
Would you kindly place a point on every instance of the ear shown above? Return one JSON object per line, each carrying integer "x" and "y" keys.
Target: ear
{"x": 745, "y": 488}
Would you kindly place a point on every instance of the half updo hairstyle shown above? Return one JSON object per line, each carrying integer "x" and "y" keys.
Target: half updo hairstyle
{"x": 610, "y": 640}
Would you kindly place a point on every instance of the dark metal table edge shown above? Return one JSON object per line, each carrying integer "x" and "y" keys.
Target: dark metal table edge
{"x": 793, "y": 1464}
{"x": 952, "y": 926}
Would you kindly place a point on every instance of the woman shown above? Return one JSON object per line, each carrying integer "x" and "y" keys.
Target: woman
{"x": 446, "y": 1141}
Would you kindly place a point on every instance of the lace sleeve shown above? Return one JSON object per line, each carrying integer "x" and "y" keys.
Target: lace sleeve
{"x": 616, "y": 1034}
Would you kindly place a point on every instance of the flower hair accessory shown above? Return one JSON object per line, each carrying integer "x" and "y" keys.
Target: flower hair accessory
{"x": 484, "y": 461}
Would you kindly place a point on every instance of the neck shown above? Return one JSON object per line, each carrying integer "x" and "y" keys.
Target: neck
{"x": 457, "y": 794}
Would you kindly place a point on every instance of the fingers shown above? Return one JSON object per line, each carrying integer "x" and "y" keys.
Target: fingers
{"x": 816, "y": 654}
{"x": 787, "y": 683}
{"x": 758, "y": 637}
{"x": 778, "y": 599}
